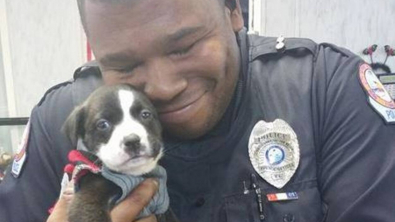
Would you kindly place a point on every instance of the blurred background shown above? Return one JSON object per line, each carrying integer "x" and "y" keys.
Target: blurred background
{"x": 42, "y": 43}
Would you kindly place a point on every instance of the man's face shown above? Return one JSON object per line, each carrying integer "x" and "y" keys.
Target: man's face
{"x": 181, "y": 53}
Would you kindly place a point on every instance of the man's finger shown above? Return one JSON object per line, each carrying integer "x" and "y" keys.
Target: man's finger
{"x": 151, "y": 218}
{"x": 131, "y": 207}
{"x": 59, "y": 213}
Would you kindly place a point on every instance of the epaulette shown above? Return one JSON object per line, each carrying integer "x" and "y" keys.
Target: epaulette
{"x": 269, "y": 46}
{"x": 89, "y": 68}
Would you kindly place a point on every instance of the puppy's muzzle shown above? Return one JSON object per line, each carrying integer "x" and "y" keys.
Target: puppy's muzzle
{"x": 132, "y": 144}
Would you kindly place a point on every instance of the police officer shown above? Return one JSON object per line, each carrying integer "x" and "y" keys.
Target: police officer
{"x": 256, "y": 128}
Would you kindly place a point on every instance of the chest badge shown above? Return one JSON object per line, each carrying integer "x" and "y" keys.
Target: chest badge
{"x": 274, "y": 151}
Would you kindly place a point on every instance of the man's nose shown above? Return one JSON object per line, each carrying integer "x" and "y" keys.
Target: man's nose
{"x": 163, "y": 82}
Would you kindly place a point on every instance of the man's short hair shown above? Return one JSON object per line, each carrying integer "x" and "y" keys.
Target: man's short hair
{"x": 231, "y": 4}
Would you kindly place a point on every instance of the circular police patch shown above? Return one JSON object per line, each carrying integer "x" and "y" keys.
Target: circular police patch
{"x": 378, "y": 97}
{"x": 274, "y": 151}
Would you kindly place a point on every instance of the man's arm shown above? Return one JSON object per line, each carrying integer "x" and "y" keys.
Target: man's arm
{"x": 29, "y": 196}
{"x": 357, "y": 155}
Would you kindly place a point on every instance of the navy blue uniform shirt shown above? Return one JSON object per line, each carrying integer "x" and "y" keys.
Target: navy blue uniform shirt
{"x": 346, "y": 171}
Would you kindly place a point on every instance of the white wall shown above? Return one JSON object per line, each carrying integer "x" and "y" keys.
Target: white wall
{"x": 42, "y": 43}
{"x": 46, "y": 45}
{"x": 354, "y": 24}
{"x": 3, "y": 98}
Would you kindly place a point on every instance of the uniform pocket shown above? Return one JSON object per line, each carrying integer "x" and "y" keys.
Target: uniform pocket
{"x": 242, "y": 208}
{"x": 307, "y": 208}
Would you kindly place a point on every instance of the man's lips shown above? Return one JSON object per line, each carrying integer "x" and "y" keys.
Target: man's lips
{"x": 180, "y": 113}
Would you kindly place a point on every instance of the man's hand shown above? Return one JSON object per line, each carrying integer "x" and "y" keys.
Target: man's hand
{"x": 130, "y": 208}
{"x": 126, "y": 211}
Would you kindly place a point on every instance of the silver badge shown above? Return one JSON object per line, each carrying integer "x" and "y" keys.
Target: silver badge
{"x": 274, "y": 151}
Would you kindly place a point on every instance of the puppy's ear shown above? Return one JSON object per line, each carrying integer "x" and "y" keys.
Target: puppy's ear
{"x": 73, "y": 127}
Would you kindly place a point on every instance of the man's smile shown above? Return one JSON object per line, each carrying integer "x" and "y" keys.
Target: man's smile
{"x": 183, "y": 112}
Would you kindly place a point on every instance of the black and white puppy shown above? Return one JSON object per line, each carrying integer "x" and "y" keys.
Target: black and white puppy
{"x": 120, "y": 126}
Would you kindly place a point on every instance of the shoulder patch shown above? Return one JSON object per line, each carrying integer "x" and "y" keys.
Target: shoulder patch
{"x": 21, "y": 155}
{"x": 378, "y": 97}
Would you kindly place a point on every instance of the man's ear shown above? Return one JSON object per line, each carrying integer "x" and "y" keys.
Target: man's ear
{"x": 236, "y": 15}
{"x": 73, "y": 127}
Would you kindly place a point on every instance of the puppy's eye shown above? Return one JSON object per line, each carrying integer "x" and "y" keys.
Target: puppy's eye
{"x": 103, "y": 125}
{"x": 145, "y": 114}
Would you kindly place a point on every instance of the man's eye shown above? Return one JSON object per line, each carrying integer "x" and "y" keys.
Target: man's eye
{"x": 103, "y": 125}
{"x": 182, "y": 52}
{"x": 127, "y": 69}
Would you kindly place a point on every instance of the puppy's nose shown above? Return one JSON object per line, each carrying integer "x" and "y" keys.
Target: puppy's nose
{"x": 131, "y": 143}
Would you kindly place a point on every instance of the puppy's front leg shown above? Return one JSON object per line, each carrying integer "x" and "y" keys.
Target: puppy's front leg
{"x": 91, "y": 202}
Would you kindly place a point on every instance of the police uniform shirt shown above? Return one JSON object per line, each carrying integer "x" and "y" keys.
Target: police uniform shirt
{"x": 347, "y": 151}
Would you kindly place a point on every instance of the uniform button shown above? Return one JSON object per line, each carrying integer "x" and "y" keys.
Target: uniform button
{"x": 289, "y": 218}
{"x": 200, "y": 202}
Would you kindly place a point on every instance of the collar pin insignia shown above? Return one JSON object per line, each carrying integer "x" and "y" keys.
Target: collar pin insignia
{"x": 280, "y": 43}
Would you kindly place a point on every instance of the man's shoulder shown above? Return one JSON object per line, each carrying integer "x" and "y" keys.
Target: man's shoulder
{"x": 85, "y": 80}
{"x": 58, "y": 102}
{"x": 262, "y": 45}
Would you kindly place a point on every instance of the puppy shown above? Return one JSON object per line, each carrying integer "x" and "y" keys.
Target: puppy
{"x": 119, "y": 126}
